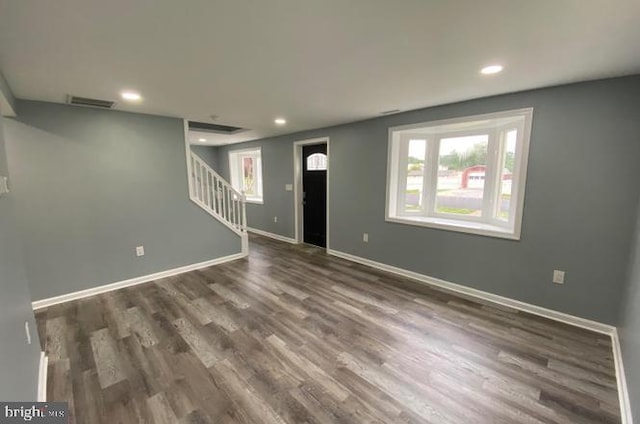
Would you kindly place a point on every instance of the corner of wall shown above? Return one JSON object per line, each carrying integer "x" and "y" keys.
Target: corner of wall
{"x": 7, "y": 99}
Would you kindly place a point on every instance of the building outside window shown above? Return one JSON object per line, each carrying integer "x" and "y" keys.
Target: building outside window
{"x": 246, "y": 173}
{"x": 464, "y": 174}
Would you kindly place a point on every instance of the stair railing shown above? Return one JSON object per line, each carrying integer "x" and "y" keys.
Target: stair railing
{"x": 217, "y": 197}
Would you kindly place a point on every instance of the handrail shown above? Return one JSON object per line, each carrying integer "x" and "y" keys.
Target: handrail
{"x": 211, "y": 170}
{"x": 216, "y": 196}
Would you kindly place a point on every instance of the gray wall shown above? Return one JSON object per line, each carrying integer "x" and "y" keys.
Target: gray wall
{"x": 209, "y": 154}
{"x": 579, "y": 209}
{"x": 91, "y": 185}
{"x": 18, "y": 360}
{"x": 630, "y": 325}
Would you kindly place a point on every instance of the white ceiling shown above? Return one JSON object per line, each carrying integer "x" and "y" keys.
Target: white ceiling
{"x": 314, "y": 62}
{"x": 210, "y": 139}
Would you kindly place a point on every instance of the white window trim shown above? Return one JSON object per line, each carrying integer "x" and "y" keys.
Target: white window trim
{"x": 234, "y": 173}
{"x": 441, "y": 221}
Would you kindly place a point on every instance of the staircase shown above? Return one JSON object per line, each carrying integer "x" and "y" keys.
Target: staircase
{"x": 218, "y": 198}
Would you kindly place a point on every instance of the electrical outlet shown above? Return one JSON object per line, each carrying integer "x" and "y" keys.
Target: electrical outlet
{"x": 288, "y": 187}
{"x": 27, "y": 330}
{"x": 365, "y": 237}
{"x": 558, "y": 276}
{"x": 140, "y": 251}
{"x": 275, "y": 219}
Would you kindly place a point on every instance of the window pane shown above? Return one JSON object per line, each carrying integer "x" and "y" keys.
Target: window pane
{"x": 462, "y": 163}
{"x": 506, "y": 176}
{"x": 245, "y": 169}
{"x": 248, "y": 176}
{"x": 415, "y": 175}
{"x": 317, "y": 162}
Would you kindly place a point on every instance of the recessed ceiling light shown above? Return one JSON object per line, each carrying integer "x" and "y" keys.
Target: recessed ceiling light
{"x": 202, "y": 140}
{"x": 280, "y": 121}
{"x": 491, "y": 69}
{"x": 131, "y": 96}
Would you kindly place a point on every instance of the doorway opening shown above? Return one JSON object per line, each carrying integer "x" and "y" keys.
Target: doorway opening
{"x": 311, "y": 180}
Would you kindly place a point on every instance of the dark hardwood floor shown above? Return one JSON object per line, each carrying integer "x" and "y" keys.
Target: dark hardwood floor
{"x": 292, "y": 335}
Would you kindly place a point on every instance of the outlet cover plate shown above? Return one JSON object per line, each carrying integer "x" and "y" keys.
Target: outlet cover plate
{"x": 558, "y": 276}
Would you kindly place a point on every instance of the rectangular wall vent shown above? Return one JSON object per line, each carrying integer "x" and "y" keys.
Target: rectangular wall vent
{"x": 85, "y": 101}
{"x": 214, "y": 128}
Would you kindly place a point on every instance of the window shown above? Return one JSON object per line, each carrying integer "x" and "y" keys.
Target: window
{"x": 317, "y": 162}
{"x": 464, "y": 174}
{"x": 245, "y": 167}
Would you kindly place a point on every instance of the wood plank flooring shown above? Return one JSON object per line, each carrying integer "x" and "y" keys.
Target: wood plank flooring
{"x": 291, "y": 335}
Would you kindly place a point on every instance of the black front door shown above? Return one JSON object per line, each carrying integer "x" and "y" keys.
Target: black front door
{"x": 314, "y": 196}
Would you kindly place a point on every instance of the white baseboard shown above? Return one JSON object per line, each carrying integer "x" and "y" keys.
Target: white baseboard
{"x": 39, "y": 304}
{"x": 505, "y": 301}
{"x": 42, "y": 377}
{"x": 272, "y": 235}
{"x": 623, "y": 391}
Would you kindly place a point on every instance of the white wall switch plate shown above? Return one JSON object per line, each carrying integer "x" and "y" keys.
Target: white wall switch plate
{"x": 140, "y": 251}
{"x": 4, "y": 185}
{"x": 288, "y": 187}
{"x": 365, "y": 237}
{"x": 558, "y": 276}
{"x": 275, "y": 219}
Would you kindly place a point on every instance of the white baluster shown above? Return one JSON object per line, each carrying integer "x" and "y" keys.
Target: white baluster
{"x": 214, "y": 192}
{"x": 239, "y": 204}
{"x": 192, "y": 177}
{"x": 194, "y": 171}
{"x": 244, "y": 212}
{"x": 208, "y": 191}
{"x": 235, "y": 209}
{"x": 196, "y": 183}
{"x": 201, "y": 184}
{"x": 218, "y": 197}
{"x": 229, "y": 205}
{"x": 224, "y": 202}
{"x": 198, "y": 179}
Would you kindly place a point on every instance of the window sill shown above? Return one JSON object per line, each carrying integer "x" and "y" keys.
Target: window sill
{"x": 477, "y": 228}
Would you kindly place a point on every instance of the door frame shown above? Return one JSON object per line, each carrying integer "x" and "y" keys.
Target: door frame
{"x": 297, "y": 185}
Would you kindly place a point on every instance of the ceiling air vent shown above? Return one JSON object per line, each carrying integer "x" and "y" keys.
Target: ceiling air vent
{"x": 84, "y": 101}
{"x": 214, "y": 128}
